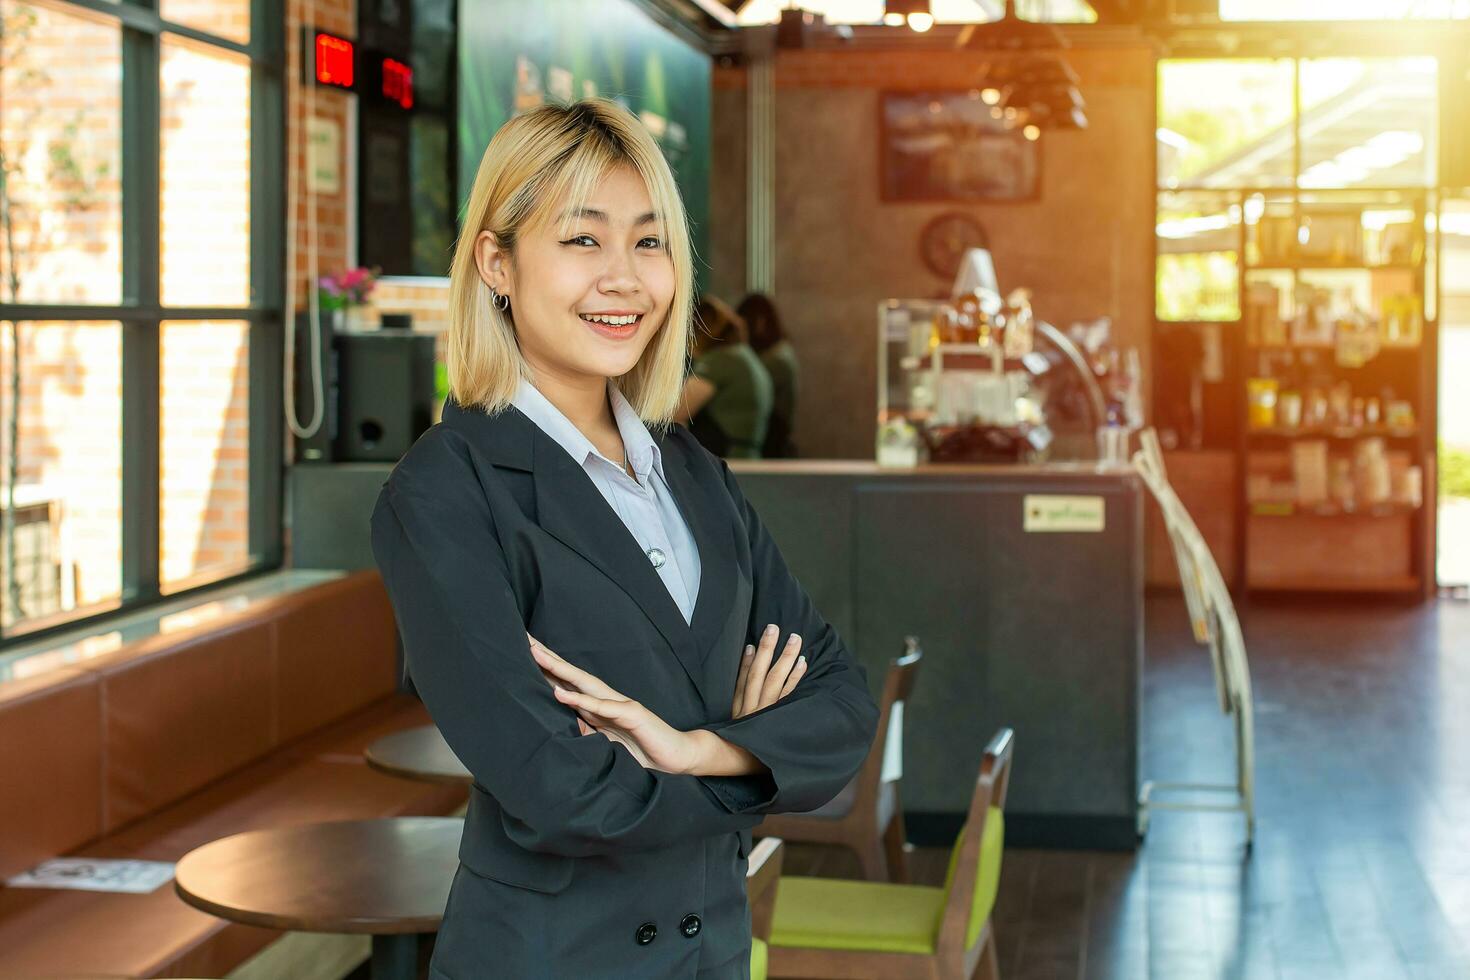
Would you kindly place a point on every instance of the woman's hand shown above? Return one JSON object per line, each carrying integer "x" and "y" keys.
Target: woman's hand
{"x": 761, "y": 683}
{"x": 653, "y": 742}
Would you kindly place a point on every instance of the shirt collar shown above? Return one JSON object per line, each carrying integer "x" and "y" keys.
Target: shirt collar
{"x": 643, "y": 453}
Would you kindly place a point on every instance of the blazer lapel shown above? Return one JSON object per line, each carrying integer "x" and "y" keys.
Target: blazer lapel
{"x": 713, "y": 532}
{"x": 570, "y": 508}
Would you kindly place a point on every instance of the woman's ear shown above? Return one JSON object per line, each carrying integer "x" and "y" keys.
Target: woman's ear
{"x": 493, "y": 262}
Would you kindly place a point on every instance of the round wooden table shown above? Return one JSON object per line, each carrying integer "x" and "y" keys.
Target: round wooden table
{"x": 417, "y": 753}
{"x": 387, "y": 878}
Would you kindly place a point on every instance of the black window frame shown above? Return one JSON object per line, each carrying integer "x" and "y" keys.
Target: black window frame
{"x": 141, "y": 313}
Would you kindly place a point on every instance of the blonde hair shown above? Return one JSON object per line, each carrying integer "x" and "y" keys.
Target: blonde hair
{"x": 717, "y": 323}
{"x": 531, "y": 163}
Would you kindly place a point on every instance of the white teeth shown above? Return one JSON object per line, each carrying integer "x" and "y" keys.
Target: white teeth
{"x": 616, "y": 321}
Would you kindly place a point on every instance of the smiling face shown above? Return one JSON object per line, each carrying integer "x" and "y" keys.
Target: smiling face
{"x": 588, "y": 291}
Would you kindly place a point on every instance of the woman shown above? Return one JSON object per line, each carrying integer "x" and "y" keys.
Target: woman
{"x": 727, "y": 398}
{"x": 769, "y": 342}
{"x": 590, "y": 609}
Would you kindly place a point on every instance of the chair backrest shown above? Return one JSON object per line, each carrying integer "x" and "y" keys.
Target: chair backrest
{"x": 1227, "y": 644}
{"x": 1196, "y": 563}
{"x": 762, "y": 875}
{"x": 885, "y": 761}
{"x": 1149, "y": 459}
{"x": 1226, "y": 629}
{"x": 969, "y": 897}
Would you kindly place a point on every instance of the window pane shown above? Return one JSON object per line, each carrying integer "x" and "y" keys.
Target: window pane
{"x": 225, "y": 18}
{"x": 433, "y": 208}
{"x": 204, "y": 443}
{"x": 1225, "y": 123}
{"x": 757, "y": 12}
{"x": 60, "y": 120}
{"x": 1369, "y": 122}
{"x": 1344, "y": 10}
{"x": 205, "y": 189}
{"x": 64, "y": 529}
{"x": 1198, "y": 275}
{"x": 433, "y": 53}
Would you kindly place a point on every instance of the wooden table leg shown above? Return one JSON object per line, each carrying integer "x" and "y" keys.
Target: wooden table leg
{"x": 396, "y": 957}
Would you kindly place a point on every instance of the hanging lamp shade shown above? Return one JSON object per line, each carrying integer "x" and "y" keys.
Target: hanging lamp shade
{"x": 1010, "y": 33}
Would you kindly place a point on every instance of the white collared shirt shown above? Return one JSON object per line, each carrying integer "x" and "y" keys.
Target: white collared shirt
{"x": 645, "y": 505}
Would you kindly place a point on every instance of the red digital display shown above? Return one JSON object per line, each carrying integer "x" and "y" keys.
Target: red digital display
{"x": 398, "y": 82}
{"x": 334, "y": 61}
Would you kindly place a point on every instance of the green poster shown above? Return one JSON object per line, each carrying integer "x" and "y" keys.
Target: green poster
{"x": 562, "y": 50}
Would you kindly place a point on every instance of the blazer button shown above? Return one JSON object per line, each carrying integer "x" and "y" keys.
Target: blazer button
{"x": 646, "y": 932}
{"x": 689, "y": 925}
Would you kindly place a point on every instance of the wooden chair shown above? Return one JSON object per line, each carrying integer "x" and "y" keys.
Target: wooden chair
{"x": 831, "y": 928}
{"x": 867, "y": 816}
{"x": 762, "y": 874}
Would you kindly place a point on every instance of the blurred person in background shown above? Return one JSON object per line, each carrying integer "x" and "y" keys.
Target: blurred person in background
{"x": 728, "y": 397}
{"x": 768, "y": 340}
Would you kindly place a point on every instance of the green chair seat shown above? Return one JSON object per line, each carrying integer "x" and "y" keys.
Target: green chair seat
{"x": 987, "y": 876}
{"x": 828, "y": 913}
{"x": 758, "y": 958}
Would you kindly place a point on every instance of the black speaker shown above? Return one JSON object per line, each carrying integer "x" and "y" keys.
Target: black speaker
{"x": 385, "y": 383}
{"x": 318, "y": 447}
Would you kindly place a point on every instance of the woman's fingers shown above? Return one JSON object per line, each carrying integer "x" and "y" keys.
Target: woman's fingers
{"x": 780, "y": 671}
{"x": 760, "y": 664}
{"x": 767, "y": 682}
{"x": 738, "y": 706}
{"x": 570, "y": 674}
{"x": 600, "y": 708}
{"x": 793, "y": 678}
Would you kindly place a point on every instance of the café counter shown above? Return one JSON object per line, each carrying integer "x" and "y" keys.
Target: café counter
{"x": 1023, "y": 583}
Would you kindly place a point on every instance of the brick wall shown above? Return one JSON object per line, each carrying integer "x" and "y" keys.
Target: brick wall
{"x": 336, "y": 17}
{"x": 1084, "y": 247}
{"x": 427, "y": 300}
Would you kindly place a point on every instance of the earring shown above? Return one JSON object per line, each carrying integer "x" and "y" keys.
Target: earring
{"x": 499, "y": 300}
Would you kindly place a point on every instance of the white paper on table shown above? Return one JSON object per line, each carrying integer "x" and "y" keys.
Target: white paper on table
{"x": 96, "y": 875}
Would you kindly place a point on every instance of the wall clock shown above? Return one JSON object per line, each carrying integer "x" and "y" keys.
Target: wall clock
{"x": 945, "y": 239}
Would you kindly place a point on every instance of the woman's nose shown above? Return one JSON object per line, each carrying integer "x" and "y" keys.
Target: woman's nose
{"x": 621, "y": 275}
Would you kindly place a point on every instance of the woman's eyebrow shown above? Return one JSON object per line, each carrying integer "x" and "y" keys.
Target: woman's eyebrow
{"x": 592, "y": 214}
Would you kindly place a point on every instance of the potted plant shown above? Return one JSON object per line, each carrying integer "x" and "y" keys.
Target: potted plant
{"x": 344, "y": 294}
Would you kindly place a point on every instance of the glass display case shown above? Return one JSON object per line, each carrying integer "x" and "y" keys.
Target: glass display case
{"x": 975, "y": 380}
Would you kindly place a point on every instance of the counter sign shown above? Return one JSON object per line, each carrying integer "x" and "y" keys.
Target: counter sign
{"x": 1055, "y": 512}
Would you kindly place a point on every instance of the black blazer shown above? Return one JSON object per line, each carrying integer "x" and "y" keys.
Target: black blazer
{"x": 576, "y": 860}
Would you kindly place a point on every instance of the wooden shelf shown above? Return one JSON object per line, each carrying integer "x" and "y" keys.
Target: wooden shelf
{"x": 1291, "y": 509}
{"x": 1393, "y": 584}
{"x": 1336, "y": 432}
{"x": 1290, "y": 347}
{"x": 1333, "y": 267}
{"x": 1321, "y": 549}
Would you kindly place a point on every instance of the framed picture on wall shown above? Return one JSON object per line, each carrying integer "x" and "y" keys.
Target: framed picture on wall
{"x": 949, "y": 146}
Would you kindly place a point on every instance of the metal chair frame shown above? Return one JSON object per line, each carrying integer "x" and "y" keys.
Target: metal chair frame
{"x": 1215, "y": 624}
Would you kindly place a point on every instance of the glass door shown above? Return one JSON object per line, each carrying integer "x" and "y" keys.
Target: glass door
{"x": 1454, "y": 395}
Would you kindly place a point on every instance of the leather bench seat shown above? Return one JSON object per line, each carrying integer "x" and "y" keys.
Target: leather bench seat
{"x": 46, "y": 933}
{"x": 161, "y": 812}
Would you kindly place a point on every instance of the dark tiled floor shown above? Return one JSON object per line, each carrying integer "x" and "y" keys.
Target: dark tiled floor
{"x": 1361, "y": 867}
